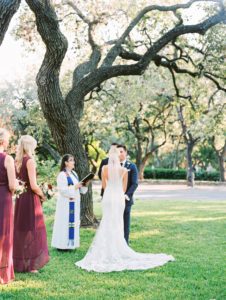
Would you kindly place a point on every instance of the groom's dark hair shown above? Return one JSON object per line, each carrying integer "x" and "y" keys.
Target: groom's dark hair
{"x": 122, "y": 146}
{"x": 114, "y": 144}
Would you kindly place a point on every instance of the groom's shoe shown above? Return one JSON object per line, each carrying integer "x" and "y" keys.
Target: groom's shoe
{"x": 63, "y": 250}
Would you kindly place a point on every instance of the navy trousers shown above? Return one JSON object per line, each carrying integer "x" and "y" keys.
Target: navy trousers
{"x": 126, "y": 218}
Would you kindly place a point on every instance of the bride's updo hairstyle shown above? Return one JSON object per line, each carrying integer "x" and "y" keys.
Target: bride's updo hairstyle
{"x": 26, "y": 146}
{"x": 4, "y": 136}
{"x": 114, "y": 156}
{"x": 113, "y": 164}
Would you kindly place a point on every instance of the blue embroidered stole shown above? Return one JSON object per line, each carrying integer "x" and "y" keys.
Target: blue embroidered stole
{"x": 71, "y": 225}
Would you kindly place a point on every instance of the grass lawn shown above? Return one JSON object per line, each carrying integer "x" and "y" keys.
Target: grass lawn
{"x": 194, "y": 232}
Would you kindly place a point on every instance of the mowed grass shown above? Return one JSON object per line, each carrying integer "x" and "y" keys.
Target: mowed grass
{"x": 194, "y": 232}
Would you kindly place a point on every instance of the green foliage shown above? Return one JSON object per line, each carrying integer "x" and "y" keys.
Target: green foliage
{"x": 20, "y": 111}
{"x": 170, "y": 159}
{"x": 158, "y": 173}
{"x": 207, "y": 176}
{"x": 47, "y": 171}
{"x": 96, "y": 153}
{"x": 205, "y": 155}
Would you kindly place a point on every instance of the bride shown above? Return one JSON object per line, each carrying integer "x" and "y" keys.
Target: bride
{"x": 109, "y": 250}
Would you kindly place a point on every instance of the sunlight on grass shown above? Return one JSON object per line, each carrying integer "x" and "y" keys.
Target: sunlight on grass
{"x": 153, "y": 213}
{"x": 20, "y": 284}
{"x": 192, "y": 231}
{"x": 189, "y": 219}
{"x": 147, "y": 233}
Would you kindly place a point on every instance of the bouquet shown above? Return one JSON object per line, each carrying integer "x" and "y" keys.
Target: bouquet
{"x": 47, "y": 189}
{"x": 20, "y": 188}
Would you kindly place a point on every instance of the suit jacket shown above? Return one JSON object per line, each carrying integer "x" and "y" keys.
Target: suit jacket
{"x": 132, "y": 179}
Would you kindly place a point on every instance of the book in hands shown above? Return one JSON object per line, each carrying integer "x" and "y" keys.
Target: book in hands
{"x": 87, "y": 178}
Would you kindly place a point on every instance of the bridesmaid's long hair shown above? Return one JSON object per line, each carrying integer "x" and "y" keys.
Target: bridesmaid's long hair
{"x": 26, "y": 145}
{"x": 64, "y": 159}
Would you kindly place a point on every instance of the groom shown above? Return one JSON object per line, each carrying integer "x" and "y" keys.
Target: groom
{"x": 131, "y": 185}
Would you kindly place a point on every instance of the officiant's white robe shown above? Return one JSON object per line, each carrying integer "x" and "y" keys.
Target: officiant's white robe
{"x": 60, "y": 237}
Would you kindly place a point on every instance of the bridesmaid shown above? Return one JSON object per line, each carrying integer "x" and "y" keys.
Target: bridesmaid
{"x": 30, "y": 250}
{"x": 67, "y": 217}
{"x": 7, "y": 187}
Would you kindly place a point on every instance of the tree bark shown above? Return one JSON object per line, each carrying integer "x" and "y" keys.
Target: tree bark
{"x": 143, "y": 165}
{"x": 221, "y": 154}
{"x": 69, "y": 140}
{"x": 60, "y": 116}
{"x": 190, "y": 170}
{"x": 139, "y": 156}
{"x": 222, "y": 168}
{"x": 54, "y": 154}
{"x": 7, "y": 10}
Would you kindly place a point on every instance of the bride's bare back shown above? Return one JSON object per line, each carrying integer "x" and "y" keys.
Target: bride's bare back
{"x": 123, "y": 173}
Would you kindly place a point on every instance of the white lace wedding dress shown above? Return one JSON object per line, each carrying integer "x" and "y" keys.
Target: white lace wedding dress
{"x": 109, "y": 250}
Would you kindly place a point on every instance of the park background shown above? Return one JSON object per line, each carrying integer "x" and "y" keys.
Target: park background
{"x": 171, "y": 117}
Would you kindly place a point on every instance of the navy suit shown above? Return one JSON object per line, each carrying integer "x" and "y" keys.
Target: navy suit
{"x": 131, "y": 187}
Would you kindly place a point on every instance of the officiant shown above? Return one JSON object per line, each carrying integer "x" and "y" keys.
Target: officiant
{"x": 67, "y": 217}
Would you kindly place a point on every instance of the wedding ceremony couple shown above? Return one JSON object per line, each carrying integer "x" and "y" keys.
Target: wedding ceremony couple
{"x": 110, "y": 249}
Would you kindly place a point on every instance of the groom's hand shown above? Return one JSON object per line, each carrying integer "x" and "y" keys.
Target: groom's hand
{"x": 127, "y": 197}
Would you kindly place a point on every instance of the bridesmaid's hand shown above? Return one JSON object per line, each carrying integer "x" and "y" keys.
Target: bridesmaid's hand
{"x": 42, "y": 197}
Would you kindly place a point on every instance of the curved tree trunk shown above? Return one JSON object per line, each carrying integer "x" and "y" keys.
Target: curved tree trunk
{"x": 62, "y": 118}
{"x": 7, "y": 10}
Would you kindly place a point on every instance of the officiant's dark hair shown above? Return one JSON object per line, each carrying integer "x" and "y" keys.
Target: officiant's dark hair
{"x": 122, "y": 146}
{"x": 64, "y": 159}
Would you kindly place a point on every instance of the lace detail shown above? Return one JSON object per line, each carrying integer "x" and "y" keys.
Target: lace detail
{"x": 109, "y": 250}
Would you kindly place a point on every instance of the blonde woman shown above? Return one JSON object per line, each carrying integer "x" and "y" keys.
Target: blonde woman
{"x": 7, "y": 187}
{"x": 30, "y": 250}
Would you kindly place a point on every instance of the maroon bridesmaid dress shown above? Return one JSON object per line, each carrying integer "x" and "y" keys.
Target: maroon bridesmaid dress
{"x": 6, "y": 226}
{"x": 30, "y": 249}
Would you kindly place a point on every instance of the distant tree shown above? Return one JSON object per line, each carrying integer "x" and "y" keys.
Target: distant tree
{"x": 63, "y": 114}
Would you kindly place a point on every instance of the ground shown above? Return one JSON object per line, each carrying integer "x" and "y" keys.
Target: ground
{"x": 187, "y": 223}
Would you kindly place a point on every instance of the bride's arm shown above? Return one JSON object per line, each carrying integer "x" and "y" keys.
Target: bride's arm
{"x": 104, "y": 177}
{"x": 125, "y": 181}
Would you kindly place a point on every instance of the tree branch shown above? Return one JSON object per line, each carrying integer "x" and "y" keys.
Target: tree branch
{"x": 7, "y": 10}
{"x": 115, "y": 50}
{"x": 87, "y": 67}
{"x": 105, "y": 73}
{"x": 56, "y": 47}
